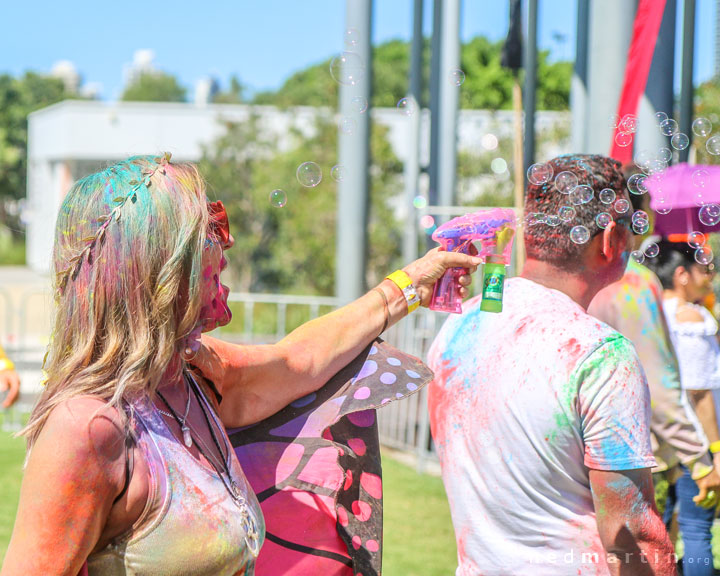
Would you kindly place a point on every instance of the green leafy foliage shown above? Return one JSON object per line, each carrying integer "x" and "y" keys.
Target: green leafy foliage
{"x": 707, "y": 105}
{"x": 487, "y": 85}
{"x": 154, "y": 87}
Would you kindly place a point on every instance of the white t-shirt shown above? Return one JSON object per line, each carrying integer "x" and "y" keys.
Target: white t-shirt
{"x": 524, "y": 402}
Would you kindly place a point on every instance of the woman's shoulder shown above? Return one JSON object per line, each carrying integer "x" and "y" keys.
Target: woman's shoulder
{"x": 92, "y": 427}
{"x": 689, "y": 313}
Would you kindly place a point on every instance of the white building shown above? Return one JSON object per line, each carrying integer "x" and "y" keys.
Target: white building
{"x": 71, "y": 139}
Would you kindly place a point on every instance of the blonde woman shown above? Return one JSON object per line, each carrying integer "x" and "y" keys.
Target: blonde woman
{"x": 130, "y": 470}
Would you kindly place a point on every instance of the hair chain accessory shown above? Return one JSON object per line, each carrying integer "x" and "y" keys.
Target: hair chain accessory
{"x": 75, "y": 263}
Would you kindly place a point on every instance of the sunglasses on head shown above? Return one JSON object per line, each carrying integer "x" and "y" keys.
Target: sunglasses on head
{"x": 219, "y": 225}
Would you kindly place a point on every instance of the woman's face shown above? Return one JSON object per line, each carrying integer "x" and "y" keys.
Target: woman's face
{"x": 215, "y": 311}
{"x": 699, "y": 281}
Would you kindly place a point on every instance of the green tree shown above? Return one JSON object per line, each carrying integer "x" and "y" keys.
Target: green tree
{"x": 707, "y": 105}
{"x": 487, "y": 85}
{"x": 235, "y": 94}
{"x": 19, "y": 97}
{"x": 154, "y": 87}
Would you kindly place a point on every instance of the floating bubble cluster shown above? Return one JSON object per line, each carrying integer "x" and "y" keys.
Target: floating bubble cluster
{"x": 406, "y": 106}
{"x": 539, "y": 174}
{"x": 359, "y": 104}
{"x": 702, "y": 127}
{"x": 566, "y": 182}
{"x": 696, "y": 239}
{"x": 278, "y": 198}
{"x": 652, "y": 250}
{"x": 663, "y": 206}
{"x": 623, "y": 139}
{"x": 419, "y": 202}
{"x": 566, "y": 213}
{"x": 347, "y": 125}
{"x": 621, "y": 205}
{"x": 709, "y": 214}
{"x": 668, "y": 127}
{"x": 552, "y": 220}
{"x": 581, "y": 195}
{"x": 337, "y": 173}
{"x": 680, "y": 141}
{"x": 638, "y": 256}
{"x": 713, "y": 145}
{"x": 637, "y": 184}
{"x": 352, "y": 37}
{"x": 309, "y": 174}
{"x": 704, "y": 255}
{"x": 603, "y": 220}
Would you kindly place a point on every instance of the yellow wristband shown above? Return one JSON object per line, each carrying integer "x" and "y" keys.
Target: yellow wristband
{"x": 6, "y": 364}
{"x": 715, "y": 447}
{"x": 403, "y": 281}
{"x": 700, "y": 471}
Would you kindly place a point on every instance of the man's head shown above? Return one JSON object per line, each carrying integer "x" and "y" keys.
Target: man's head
{"x": 603, "y": 249}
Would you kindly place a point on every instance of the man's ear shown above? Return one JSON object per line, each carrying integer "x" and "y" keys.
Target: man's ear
{"x": 610, "y": 242}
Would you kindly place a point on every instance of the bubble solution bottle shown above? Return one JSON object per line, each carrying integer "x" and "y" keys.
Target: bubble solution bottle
{"x": 493, "y": 283}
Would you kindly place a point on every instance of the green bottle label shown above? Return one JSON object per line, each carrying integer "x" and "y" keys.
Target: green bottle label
{"x": 493, "y": 284}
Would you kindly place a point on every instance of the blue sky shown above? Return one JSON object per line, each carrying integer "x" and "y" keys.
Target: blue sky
{"x": 261, "y": 41}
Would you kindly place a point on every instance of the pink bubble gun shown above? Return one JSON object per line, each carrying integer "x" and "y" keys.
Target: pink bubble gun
{"x": 495, "y": 230}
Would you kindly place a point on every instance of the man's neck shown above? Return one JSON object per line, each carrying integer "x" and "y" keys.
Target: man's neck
{"x": 575, "y": 286}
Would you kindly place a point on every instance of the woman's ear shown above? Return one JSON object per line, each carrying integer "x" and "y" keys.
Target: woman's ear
{"x": 681, "y": 276}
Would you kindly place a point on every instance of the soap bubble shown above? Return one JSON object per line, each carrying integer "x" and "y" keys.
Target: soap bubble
{"x": 614, "y": 120}
{"x": 359, "y": 104}
{"x": 406, "y": 106}
{"x": 539, "y": 174}
{"x": 352, "y": 37}
{"x": 680, "y": 141}
{"x": 278, "y": 198}
{"x": 657, "y": 166}
{"x": 457, "y": 77}
{"x": 643, "y": 158}
{"x": 347, "y": 68}
{"x": 709, "y": 214}
{"x": 640, "y": 215}
{"x": 696, "y": 239}
{"x": 566, "y": 182}
{"x": 621, "y": 205}
{"x": 713, "y": 145}
{"x": 603, "y": 220}
{"x": 668, "y": 127}
{"x": 579, "y": 234}
{"x": 419, "y": 202}
{"x": 607, "y": 195}
{"x": 663, "y": 206}
{"x": 702, "y": 126}
{"x": 704, "y": 255}
{"x": 638, "y": 256}
{"x": 660, "y": 117}
{"x": 652, "y": 250}
{"x": 665, "y": 154}
{"x": 637, "y": 184}
{"x": 552, "y": 220}
{"x": 566, "y": 213}
{"x": 700, "y": 178}
{"x": 347, "y": 125}
{"x": 498, "y": 166}
{"x": 534, "y": 218}
{"x": 489, "y": 141}
{"x": 623, "y": 139}
{"x": 641, "y": 227}
{"x": 581, "y": 195}
{"x": 628, "y": 124}
{"x": 309, "y": 174}
{"x": 337, "y": 173}
{"x": 427, "y": 221}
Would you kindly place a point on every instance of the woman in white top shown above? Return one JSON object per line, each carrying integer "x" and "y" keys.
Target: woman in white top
{"x": 693, "y": 329}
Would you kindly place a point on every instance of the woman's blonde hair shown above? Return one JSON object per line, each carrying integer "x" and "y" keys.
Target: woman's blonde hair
{"x": 121, "y": 317}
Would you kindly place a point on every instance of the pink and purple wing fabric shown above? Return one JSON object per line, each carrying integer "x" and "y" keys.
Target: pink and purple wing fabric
{"x": 315, "y": 467}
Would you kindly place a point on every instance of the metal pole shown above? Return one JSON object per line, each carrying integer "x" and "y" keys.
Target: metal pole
{"x": 606, "y": 67}
{"x": 435, "y": 73}
{"x": 412, "y": 163}
{"x": 530, "y": 95}
{"x": 686, "y": 80}
{"x": 578, "y": 85}
{"x": 658, "y": 95}
{"x": 449, "y": 100}
{"x": 354, "y": 155}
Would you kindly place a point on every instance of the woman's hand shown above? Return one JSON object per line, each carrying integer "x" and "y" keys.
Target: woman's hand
{"x": 426, "y": 271}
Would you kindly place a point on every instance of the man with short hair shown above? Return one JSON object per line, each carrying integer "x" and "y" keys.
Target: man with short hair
{"x": 541, "y": 413}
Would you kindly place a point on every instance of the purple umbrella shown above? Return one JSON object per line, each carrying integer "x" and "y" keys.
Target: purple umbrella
{"x": 680, "y": 194}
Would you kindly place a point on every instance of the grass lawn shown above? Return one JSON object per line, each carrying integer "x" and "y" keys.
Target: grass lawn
{"x": 12, "y": 453}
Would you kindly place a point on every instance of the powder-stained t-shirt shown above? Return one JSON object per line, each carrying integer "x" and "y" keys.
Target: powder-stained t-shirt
{"x": 634, "y": 307}
{"x": 523, "y": 404}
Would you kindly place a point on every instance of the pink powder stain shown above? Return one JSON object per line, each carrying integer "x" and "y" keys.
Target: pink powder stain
{"x": 342, "y": 516}
{"x": 362, "y": 393}
{"x": 356, "y": 542}
{"x": 372, "y": 484}
{"x": 363, "y": 419}
{"x": 372, "y": 545}
{"x": 361, "y": 510}
{"x": 208, "y": 272}
{"x": 348, "y": 480}
{"x": 358, "y": 446}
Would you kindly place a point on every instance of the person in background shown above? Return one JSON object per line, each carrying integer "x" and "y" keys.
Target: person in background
{"x": 541, "y": 414}
{"x": 693, "y": 331}
{"x": 9, "y": 381}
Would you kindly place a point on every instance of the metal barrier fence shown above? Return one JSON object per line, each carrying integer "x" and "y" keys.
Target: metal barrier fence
{"x": 260, "y": 318}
